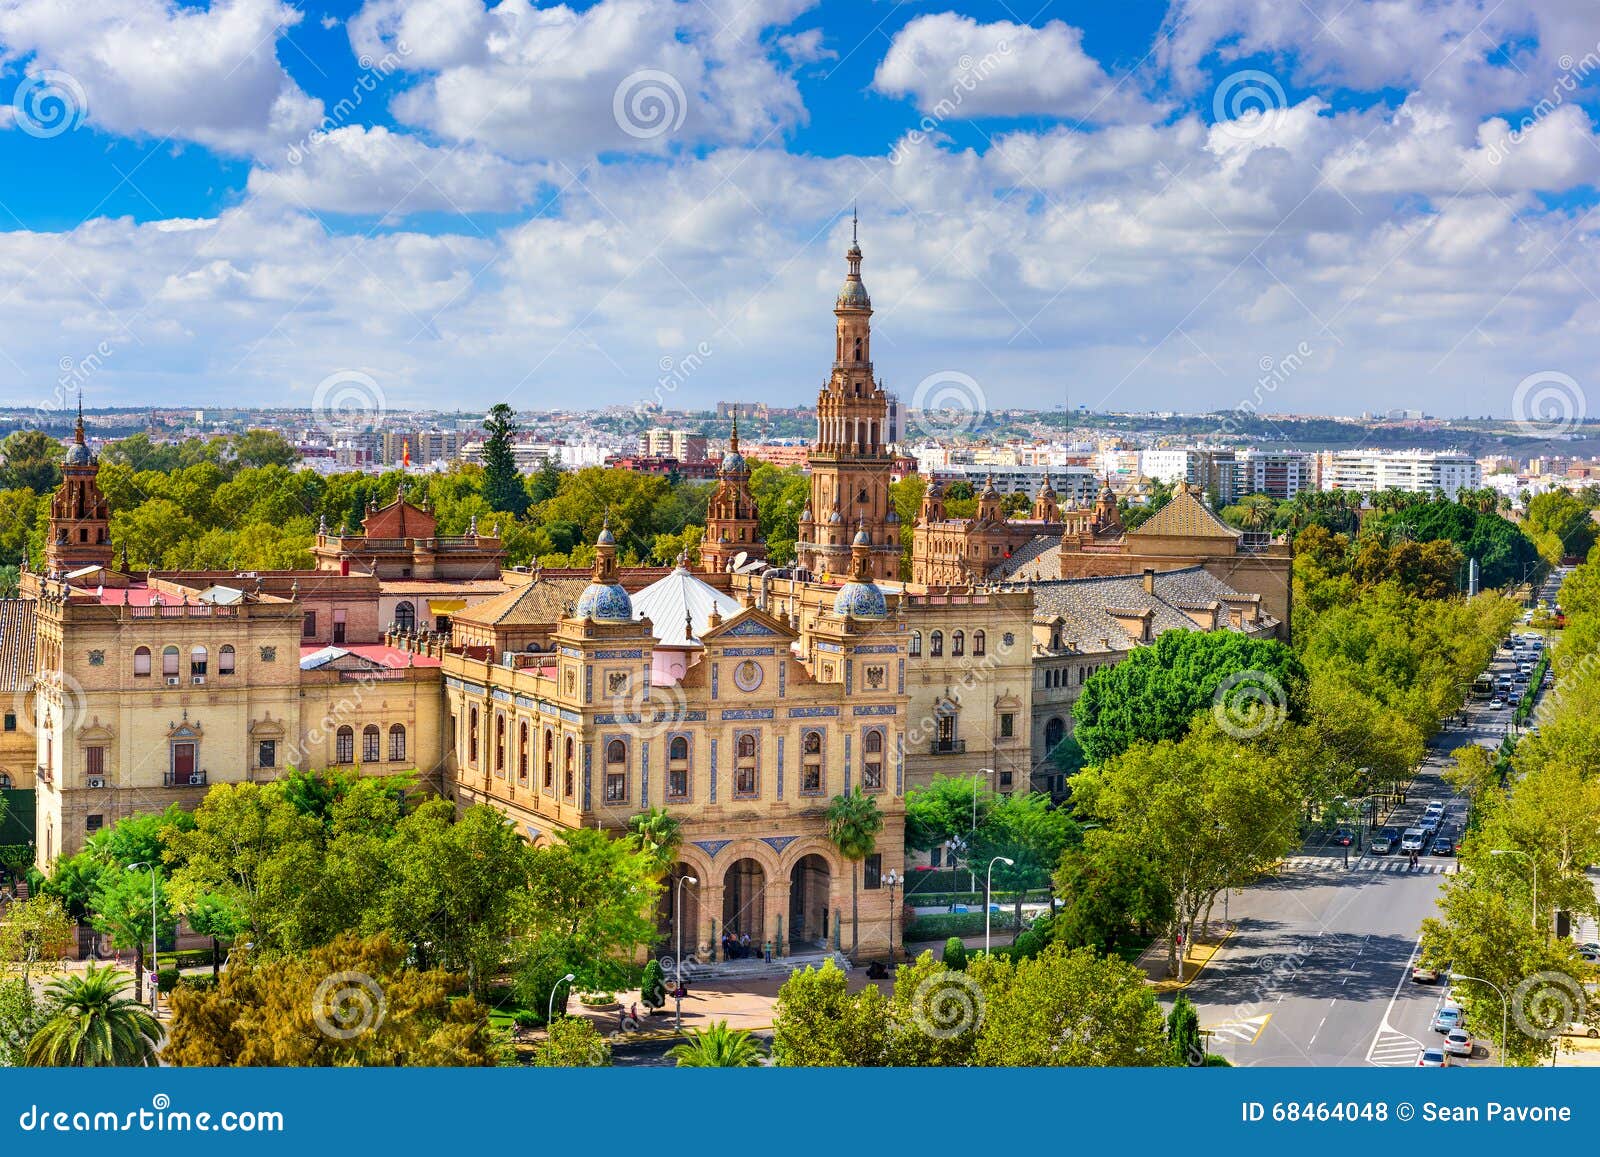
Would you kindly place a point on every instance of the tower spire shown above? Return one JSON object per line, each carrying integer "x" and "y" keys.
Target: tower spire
{"x": 77, "y": 434}
{"x": 733, "y": 439}
{"x": 855, "y": 220}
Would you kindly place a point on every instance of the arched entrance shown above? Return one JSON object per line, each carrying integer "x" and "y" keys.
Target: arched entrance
{"x": 689, "y": 912}
{"x": 744, "y": 901}
{"x": 809, "y": 883}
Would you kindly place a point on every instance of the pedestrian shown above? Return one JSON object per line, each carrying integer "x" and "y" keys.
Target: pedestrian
{"x": 633, "y": 1012}
{"x": 622, "y": 1019}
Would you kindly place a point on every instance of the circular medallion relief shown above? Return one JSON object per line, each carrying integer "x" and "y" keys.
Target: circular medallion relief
{"x": 747, "y": 675}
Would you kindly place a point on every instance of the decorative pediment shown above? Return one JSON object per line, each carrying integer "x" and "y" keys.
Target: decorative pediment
{"x": 749, "y": 623}
{"x": 185, "y": 729}
{"x": 267, "y": 728}
{"x": 95, "y": 733}
{"x": 1008, "y": 701}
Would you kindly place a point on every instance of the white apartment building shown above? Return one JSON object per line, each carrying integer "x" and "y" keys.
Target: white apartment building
{"x": 1420, "y": 471}
{"x": 1071, "y": 483}
{"x": 1279, "y": 474}
{"x": 660, "y": 442}
{"x": 531, "y": 456}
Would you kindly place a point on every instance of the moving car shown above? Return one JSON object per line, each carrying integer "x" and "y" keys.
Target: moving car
{"x": 1444, "y": 844}
{"x": 1446, "y": 1017}
{"x": 1435, "y": 808}
{"x": 1343, "y": 838}
{"x": 1422, "y": 973}
{"x": 1384, "y": 842}
{"x": 1458, "y": 1042}
{"x": 1412, "y": 841}
{"x": 1433, "y": 1059}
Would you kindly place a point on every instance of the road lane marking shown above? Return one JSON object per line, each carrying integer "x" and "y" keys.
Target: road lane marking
{"x": 1389, "y": 1044}
{"x": 1246, "y": 1031}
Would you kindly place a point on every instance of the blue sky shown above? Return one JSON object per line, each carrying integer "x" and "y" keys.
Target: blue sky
{"x": 1316, "y": 207}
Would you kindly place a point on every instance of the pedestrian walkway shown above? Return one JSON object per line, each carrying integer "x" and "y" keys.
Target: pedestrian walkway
{"x": 1392, "y": 864}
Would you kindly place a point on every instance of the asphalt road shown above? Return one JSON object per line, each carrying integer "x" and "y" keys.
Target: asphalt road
{"x": 1319, "y": 969}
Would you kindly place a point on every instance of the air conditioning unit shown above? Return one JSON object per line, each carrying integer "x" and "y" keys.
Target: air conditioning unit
{"x": 198, "y": 679}
{"x": 97, "y": 781}
{"x": 173, "y": 680}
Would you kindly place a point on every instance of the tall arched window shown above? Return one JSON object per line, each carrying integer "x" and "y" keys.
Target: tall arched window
{"x": 169, "y": 662}
{"x": 746, "y": 768}
{"x": 980, "y": 643}
{"x": 225, "y": 660}
{"x": 344, "y": 745}
{"x": 616, "y": 771}
{"x": 472, "y": 735}
{"x": 141, "y": 662}
{"x": 678, "y": 768}
{"x": 811, "y": 782}
{"x": 569, "y": 768}
{"x": 936, "y": 644}
{"x": 914, "y": 648}
{"x": 499, "y": 744}
{"x": 197, "y": 661}
{"x": 397, "y": 743}
{"x": 371, "y": 744}
{"x": 958, "y": 644}
{"x": 549, "y": 759}
{"x": 1054, "y": 731}
{"x": 872, "y": 761}
{"x": 405, "y": 615}
{"x": 522, "y": 751}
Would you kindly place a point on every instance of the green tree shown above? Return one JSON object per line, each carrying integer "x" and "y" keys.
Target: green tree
{"x": 1183, "y": 1033}
{"x": 93, "y": 1024}
{"x": 215, "y": 915}
{"x": 122, "y": 907}
{"x": 502, "y": 483}
{"x": 1070, "y": 1007}
{"x": 717, "y": 1047}
{"x": 816, "y": 1022}
{"x": 854, "y": 822}
{"x": 73, "y": 882}
{"x": 30, "y": 460}
{"x": 1156, "y": 691}
{"x": 351, "y": 1001}
{"x": 653, "y": 985}
{"x": 35, "y": 929}
{"x": 22, "y": 1015}
{"x": 572, "y": 1042}
{"x": 658, "y": 835}
{"x": 955, "y": 954}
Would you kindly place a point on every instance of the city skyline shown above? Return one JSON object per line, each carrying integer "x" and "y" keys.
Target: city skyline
{"x": 1151, "y": 209}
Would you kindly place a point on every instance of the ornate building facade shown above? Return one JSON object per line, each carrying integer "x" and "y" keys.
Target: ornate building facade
{"x": 732, "y": 528}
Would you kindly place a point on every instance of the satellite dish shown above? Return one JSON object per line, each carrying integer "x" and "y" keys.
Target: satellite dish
{"x": 740, "y": 559}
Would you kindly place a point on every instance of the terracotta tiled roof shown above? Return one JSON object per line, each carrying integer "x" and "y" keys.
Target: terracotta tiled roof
{"x": 1088, "y": 604}
{"x": 16, "y": 645}
{"x": 537, "y": 602}
{"x": 1186, "y": 516}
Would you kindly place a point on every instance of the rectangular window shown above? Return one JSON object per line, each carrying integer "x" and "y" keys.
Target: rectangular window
{"x": 937, "y": 857}
{"x": 371, "y": 745}
{"x": 678, "y": 784}
{"x": 308, "y": 624}
{"x": 744, "y": 782}
{"x": 1008, "y": 725}
{"x": 872, "y": 871}
{"x": 11, "y": 721}
{"x": 93, "y": 823}
{"x": 267, "y": 753}
{"x": 616, "y": 787}
{"x": 1005, "y": 781}
{"x": 95, "y": 760}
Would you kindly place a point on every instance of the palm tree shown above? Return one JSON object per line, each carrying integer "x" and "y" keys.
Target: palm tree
{"x": 854, "y": 822}
{"x": 93, "y": 1024}
{"x": 717, "y": 1047}
{"x": 659, "y": 835}
{"x": 1258, "y": 511}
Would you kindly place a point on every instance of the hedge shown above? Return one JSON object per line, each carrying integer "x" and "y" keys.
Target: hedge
{"x": 944, "y": 925}
{"x": 955, "y": 880}
{"x": 930, "y": 899}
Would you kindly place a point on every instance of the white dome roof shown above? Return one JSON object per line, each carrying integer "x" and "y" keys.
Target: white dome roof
{"x": 667, "y": 601}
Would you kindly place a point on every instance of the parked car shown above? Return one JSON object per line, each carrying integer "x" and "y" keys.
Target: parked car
{"x": 1578, "y": 1028}
{"x": 1424, "y": 973}
{"x": 1433, "y": 1059}
{"x": 1413, "y": 840}
{"x": 1458, "y": 1042}
{"x": 1384, "y": 842}
{"x": 1446, "y": 1017}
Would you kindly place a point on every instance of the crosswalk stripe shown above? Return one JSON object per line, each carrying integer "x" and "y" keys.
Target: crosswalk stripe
{"x": 1246, "y": 1031}
{"x": 1394, "y": 1050}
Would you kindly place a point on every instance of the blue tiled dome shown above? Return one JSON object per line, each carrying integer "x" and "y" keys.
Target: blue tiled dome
{"x": 78, "y": 455}
{"x": 733, "y": 462}
{"x": 863, "y": 600}
{"x": 606, "y": 603}
{"x": 853, "y": 295}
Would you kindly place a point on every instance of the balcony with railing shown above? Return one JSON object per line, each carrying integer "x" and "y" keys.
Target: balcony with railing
{"x": 947, "y": 747}
{"x": 184, "y": 778}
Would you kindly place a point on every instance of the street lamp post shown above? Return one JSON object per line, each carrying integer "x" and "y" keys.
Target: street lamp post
{"x": 155, "y": 948}
{"x": 894, "y": 879}
{"x": 972, "y": 877}
{"x": 1534, "y": 864}
{"x": 1505, "y": 1009}
{"x": 988, "y": 889}
{"x": 677, "y": 920}
{"x": 550, "y": 1010}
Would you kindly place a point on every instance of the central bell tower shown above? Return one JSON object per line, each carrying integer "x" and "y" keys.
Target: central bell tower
{"x": 850, "y": 460}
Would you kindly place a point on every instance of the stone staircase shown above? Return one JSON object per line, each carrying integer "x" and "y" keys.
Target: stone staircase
{"x": 758, "y": 969}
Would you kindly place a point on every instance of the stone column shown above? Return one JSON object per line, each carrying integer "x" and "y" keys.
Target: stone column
{"x": 777, "y": 923}
{"x": 709, "y": 921}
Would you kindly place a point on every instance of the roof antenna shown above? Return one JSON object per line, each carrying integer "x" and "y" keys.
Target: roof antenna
{"x": 854, "y": 221}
